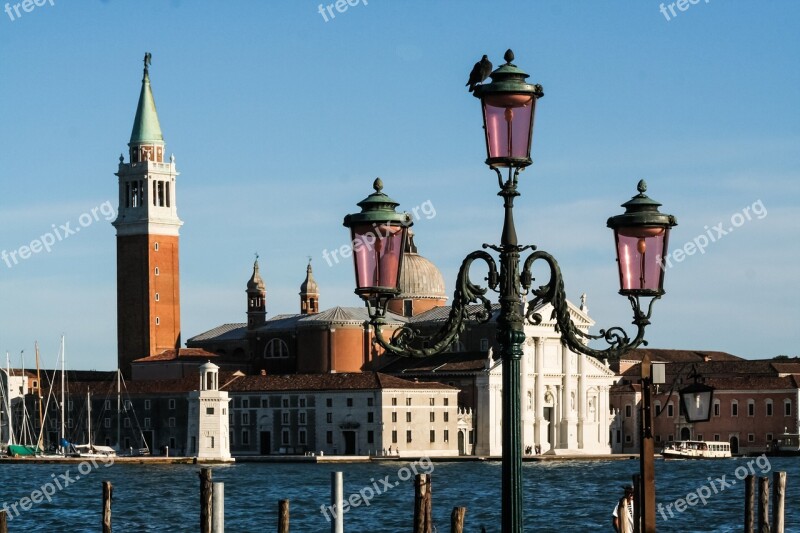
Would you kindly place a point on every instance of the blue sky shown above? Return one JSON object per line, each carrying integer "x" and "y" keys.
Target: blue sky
{"x": 280, "y": 121}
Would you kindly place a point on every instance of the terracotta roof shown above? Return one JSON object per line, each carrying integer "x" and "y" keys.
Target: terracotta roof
{"x": 331, "y": 382}
{"x": 184, "y": 354}
{"x": 680, "y": 356}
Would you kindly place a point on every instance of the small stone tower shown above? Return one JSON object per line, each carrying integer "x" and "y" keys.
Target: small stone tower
{"x": 309, "y": 294}
{"x": 256, "y": 299}
{"x": 208, "y": 418}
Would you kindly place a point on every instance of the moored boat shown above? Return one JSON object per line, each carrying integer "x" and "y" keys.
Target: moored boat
{"x": 696, "y": 449}
{"x": 787, "y": 444}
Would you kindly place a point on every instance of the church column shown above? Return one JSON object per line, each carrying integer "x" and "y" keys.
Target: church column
{"x": 540, "y": 424}
{"x": 583, "y": 387}
{"x": 525, "y": 398}
{"x": 568, "y": 412}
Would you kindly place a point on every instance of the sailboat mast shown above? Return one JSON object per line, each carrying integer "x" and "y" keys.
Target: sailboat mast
{"x": 63, "y": 405}
{"x": 8, "y": 401}
{"x": 119, "y": 415}
{"x": 39, "y": 396}
{"x": 89, "y": 417}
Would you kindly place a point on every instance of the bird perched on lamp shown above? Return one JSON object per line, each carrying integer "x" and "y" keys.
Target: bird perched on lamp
{"x": 480, "y": 72}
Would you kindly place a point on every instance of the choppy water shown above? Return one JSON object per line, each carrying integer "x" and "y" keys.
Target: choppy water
{"x": 562, "y": 497}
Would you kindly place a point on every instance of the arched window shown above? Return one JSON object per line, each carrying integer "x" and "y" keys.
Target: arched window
{"x": 769, "y": 407}
{"x": 276, "y": 348}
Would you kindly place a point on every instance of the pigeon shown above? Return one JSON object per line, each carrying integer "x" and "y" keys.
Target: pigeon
{"x": 480, "y": 72}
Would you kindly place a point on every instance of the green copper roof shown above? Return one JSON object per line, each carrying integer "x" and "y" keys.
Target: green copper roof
{"x": 145, "y": 126}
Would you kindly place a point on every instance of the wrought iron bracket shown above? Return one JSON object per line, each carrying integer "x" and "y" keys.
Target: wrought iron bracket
{"x": 571, "y": 336}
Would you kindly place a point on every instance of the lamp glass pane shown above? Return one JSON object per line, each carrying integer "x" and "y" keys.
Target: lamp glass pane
{"x": 509, "y": 123}
{"x": 640, "y": 253}
{"x": 697, "y": 405}
{"x": 376, "y": 253}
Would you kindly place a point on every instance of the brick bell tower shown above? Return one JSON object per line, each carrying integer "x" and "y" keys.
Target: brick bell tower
{"x": 147, "y": 224}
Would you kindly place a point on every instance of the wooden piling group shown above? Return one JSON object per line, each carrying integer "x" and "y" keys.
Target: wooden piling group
{"x": 762, "y": 515}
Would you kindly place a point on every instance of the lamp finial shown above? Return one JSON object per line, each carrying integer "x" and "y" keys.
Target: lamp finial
{"x": 377, "y": 185}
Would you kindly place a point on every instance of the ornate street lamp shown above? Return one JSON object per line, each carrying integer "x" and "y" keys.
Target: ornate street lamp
{"x": 697, "y": 399}
{"x": 508, "y": 104}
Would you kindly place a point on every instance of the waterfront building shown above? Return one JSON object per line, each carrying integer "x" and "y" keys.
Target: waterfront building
{"x": 754, "y": 400}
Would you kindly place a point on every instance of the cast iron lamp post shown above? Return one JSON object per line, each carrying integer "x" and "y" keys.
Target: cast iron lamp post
{"x": 379, "y": 233}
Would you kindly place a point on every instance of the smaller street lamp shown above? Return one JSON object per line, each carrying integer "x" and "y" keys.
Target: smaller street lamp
{"x": 697, "y": 399}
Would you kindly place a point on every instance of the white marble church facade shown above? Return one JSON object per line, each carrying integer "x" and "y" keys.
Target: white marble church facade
{"x": 564, "y": 396}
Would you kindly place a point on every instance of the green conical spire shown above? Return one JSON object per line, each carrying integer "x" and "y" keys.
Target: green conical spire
{"x": 145, "y": 126}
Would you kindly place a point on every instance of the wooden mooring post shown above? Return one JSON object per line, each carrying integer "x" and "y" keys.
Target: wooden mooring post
{"x": 283, "y": 516}
{"x": 337, "y": 495}
{"x": 778, "y": 501}
{"x": 422, "y": 504}
{"x": 763, "y": 505}
{"x": 107, "y": 491}
{"x": 206, "y": 492}
{"x": 457, "y": 519}
{"x": 750, "y": 504}
{"x": 3, "y": 523}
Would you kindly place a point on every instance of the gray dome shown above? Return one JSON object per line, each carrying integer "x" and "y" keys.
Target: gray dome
{"x": 420, "y": 279}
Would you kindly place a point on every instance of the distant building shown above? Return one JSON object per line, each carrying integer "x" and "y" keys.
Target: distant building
{"x": 754, "y": 400}
{"x": 209, "y": 439}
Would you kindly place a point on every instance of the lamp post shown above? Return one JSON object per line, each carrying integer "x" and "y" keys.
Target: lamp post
{"x": 378, "y": 232}
{"x": 652, "y": 374}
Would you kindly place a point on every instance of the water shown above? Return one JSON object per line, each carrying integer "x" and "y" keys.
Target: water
{"x": 559, "y": 497}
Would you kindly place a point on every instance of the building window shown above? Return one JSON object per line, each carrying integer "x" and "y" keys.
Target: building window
{"x": 245, "y": 437}
{"x": 285, "y": 403}
{"x": 246, "y": 419}
{"x": 285, "y": 436}
{"x": 301, "y": 402}
{"x": 285, "y": 418}
{"x": 301, "y": 436}
{"x": 329, "y": 418}
{"x": 157, "y": 297}
{"x": 394, "y": 436}
{"x": 329, "y": 402}
{"x": 446, "y": 416}
{"x": 394, "y": 401}
{"x": 447, "y": 401}
{"x": 264, "y": 403}
{"x": 751, "y": 437}
{"x": 670, "y": 412}
{"x": 245, "y": 403}
{"x": 394, "y": 417}
{"x": 408, "y": 401}
{"x": 349, "y": 402}
{"x": 147, "y": 422}
{"x": 107, "y": 405}
{"x": 432, "y": 401}
{"x": 433, "y": 435}
{"x": 408, "y": 435}
{"x": 370, "y": 437}
{"x": 769, "y": 437}
{"x": 172, "y": 403}
{"x": 370, "y": 402}
{"x": 158, "y": 321}
{"x": 156, "y": 271}
{"x": 628, "y": 411}
{"x": 716, "y": 408}
{"x": 699, "y": 436}
{"x": 484, "y": 344}
{"x": 787, "y": 408}
{"x": 769, "y": 407}
{"x": 276, "y": 348}
{"x": 734, "y": 408}
{"x": 716, "y": 437}
{"x": 408, "y": 416}
{"x": 627, "y": 438}
{"x": 370, "y": 417}
{"x": 447, "y": 435}
{"x": 106, "y": 422}
{"x": 329, "y": 437}
{"x": 302, "y": 418}
{"x": 751, "y": 408}
{"x": 209, "y": 410}
{"x": 172, "y": 422}
{"x": 155, "y": 246}
{"x": 408, "y": 308}
{"x": 433, "y": 416}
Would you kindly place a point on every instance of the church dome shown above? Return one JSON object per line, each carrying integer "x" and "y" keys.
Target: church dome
{"x": 420, "y": 279}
